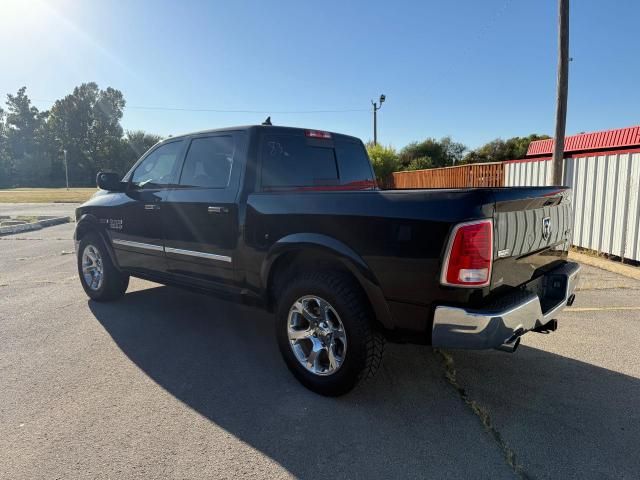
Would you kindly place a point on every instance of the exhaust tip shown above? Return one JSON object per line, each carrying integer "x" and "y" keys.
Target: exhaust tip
{"x": 509, "y": 347}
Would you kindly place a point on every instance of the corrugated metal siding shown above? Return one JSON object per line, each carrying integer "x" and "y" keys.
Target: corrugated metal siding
{"x": 619, "y": 138}
{"x": 606, "y": 198}
{"x": 528, "y": 173}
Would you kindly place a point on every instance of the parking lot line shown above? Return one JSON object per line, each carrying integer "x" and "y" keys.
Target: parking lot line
{"x": 598, "y": 309}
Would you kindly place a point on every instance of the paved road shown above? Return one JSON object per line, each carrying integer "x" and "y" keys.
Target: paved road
{"x": 164, "y": 383}
{"x": 60, "y": 209}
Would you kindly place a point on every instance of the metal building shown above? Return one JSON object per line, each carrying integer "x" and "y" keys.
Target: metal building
{"x": 603, "y": 169}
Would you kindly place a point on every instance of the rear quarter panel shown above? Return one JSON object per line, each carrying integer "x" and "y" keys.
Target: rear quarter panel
{"x": 400, "y": 235}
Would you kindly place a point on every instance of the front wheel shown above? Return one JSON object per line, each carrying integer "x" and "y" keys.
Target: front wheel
{"x": 100, "y": 278}
{"x": 325, "y": 333}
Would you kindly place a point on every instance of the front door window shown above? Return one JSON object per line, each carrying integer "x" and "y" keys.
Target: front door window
{"x": 159, "y": 168}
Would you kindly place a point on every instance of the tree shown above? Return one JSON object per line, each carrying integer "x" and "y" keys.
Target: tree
{"x": 442, "y": 153}
{"x": 24, "y": 131}
{"x": 499, "y": 150}
{"x": 87, "y": 124}
{"x": 133, "y": 145}
{"x": 420, "y": 163}
{"x": 384, "y": 161}
{"x": 5, "y": 156}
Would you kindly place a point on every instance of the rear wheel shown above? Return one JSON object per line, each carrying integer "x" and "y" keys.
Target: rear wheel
{"x": 100, "y": 278}
{"x": 325, "y": 334}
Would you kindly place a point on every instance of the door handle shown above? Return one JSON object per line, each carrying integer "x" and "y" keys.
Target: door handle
{"x": 151, "y": 206}
{"x": 213, "y": 209}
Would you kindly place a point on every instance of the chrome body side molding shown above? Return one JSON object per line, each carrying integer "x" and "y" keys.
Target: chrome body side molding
{"x": 192, "y": 253}
{"x": 143, "y": 246}
{"x": 177, "y": 251}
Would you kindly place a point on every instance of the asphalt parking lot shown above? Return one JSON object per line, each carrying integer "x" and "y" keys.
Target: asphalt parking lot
{"x": 168, "y": 384}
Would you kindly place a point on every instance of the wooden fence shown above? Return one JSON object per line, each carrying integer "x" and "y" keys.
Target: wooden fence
{"x": 475, "y": 175}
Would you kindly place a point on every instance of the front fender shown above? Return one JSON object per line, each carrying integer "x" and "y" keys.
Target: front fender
{"x": 89, "y": 223}
{"x": 337, "y": 249}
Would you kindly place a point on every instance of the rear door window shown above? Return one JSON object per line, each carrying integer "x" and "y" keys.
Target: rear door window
{"x": 209, "y": 162}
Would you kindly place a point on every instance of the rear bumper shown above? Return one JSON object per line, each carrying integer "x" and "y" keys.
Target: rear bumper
{"x": 506, "y": 320}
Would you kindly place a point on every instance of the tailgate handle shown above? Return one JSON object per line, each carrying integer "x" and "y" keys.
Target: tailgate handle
{"x": 151, "y": 206}
{"x": 214, "y": 209}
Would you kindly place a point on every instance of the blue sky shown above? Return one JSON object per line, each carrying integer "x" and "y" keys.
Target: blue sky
{"x": 475, "y": 70}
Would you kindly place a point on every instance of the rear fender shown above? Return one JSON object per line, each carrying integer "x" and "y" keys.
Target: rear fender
{"x": 324, "y": 244}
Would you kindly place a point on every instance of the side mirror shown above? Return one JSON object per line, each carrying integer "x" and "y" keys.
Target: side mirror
{"x": 109, "y": 181}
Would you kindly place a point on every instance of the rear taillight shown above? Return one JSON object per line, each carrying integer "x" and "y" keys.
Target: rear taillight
{"x": 469, "y": 255}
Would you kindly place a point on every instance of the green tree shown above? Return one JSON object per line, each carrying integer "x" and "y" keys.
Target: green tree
{"x": 87, "y": 124}
{"x": 25, "y": 127}
{"x": 442, "y": 153}
{"x": 499, "y": 150}
{"x": 420, "y": 163}
{"x": 133, "y": 145}
{"x": 384, "y": 161}
{"x": 5, "y": 157}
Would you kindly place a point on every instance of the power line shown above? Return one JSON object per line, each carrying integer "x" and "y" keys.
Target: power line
{"x": 215, "y": 110}
{"x": 218, "y": 110}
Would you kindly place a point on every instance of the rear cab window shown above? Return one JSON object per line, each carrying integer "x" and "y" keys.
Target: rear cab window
{"x": 297, "y": 161}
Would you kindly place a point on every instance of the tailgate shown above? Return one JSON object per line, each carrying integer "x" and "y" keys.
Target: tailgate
{"x": 532, "y": 233}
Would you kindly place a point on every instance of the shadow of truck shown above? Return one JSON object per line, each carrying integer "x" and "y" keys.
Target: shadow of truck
{"x": 221, "y": 360}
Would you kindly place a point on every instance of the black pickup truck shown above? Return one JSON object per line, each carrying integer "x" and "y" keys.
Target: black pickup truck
{"x": 292, "y": 219}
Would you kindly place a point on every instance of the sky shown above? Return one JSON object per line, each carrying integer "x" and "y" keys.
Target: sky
{"x": 474, "y": 70}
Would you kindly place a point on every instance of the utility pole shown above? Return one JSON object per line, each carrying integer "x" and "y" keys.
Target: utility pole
{"x": 562, "y": 89}
{"x": 376, "y": 107}
{"x": 66, "y": 167}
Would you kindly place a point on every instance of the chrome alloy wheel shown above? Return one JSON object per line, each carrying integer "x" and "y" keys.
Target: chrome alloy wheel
{"x": 92, "y": 267}
{"x": 316, "y": 335}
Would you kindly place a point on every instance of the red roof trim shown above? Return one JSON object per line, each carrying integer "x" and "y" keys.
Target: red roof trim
{"x": 621, "y": 137}
{"x": 601, "y": 154}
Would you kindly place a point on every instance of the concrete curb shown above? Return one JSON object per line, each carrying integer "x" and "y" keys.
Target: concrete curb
{"x": 604, "y": 264}
{"x": 29, "y": 227}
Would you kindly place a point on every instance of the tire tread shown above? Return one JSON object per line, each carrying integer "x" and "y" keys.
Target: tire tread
{"x": 357, "y": 307}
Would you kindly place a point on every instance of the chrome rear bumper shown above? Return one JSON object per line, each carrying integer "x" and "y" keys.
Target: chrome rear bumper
{"x": 511, "y": 317}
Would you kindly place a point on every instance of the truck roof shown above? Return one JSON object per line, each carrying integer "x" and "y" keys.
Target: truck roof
{"x": 272, "y": 128}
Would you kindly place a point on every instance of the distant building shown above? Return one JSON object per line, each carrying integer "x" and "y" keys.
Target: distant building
{"x": 604, "y": 143}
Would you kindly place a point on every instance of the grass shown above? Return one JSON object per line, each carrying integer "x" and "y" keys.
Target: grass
{"x": 45, "y": 195}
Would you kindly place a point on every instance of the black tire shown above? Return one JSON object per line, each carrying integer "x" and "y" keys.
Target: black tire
{"x": 365, "y": 344}
{"x": 114, "y": 283}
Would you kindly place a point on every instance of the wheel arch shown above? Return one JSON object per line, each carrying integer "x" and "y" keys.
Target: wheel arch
{"x": 88, "y": 223}
{"x": 328, "y": 253}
